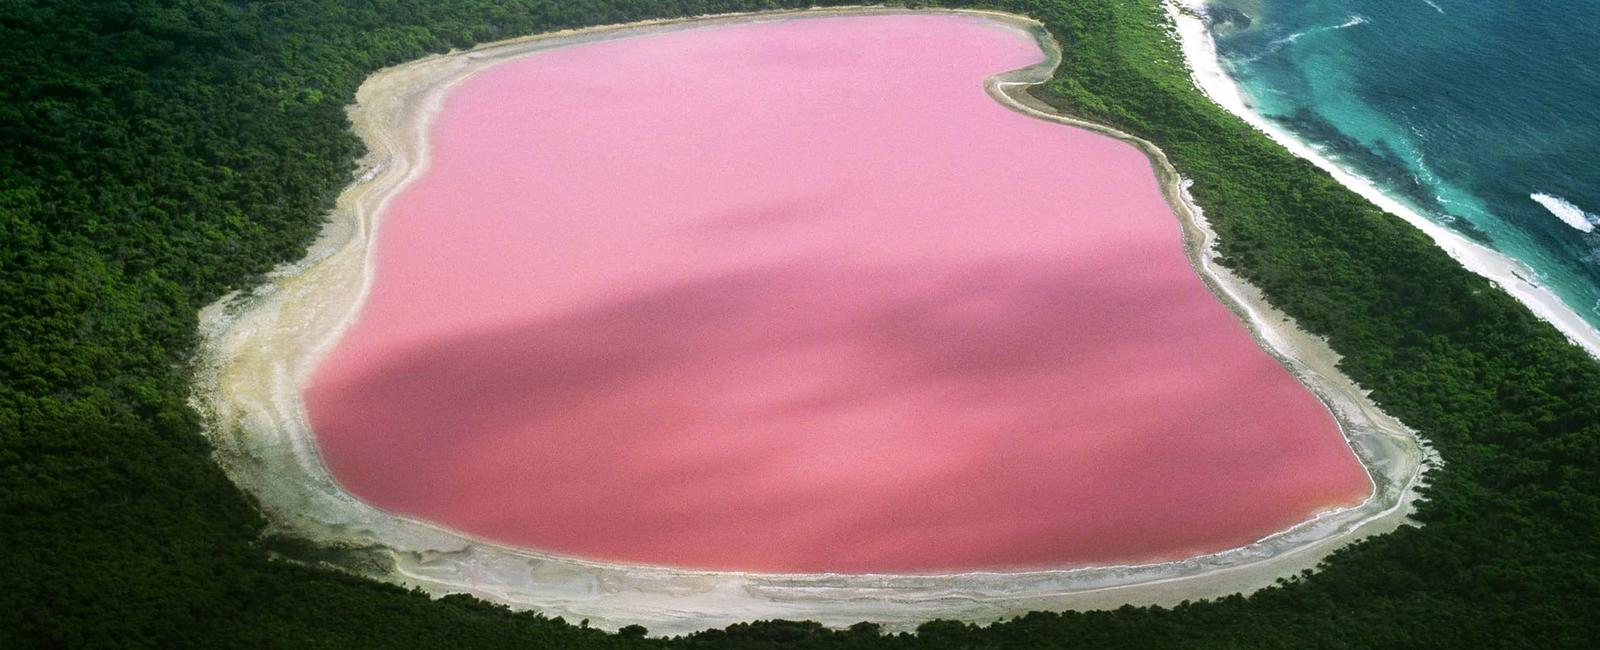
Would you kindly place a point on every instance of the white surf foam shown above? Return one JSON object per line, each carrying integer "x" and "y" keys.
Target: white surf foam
{"x": 1277, "y": 44}
{"x": 1353, "y": 21}
{"x": 1357, "y": 19}
{"x": 1435, "y": 6}
{"x": 1571, "y": 214}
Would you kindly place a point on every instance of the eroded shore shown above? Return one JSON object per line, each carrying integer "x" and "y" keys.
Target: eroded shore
{"x": 259, "y": 350}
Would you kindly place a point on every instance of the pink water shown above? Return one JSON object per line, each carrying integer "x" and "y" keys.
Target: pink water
{"x": 799, "y": 296}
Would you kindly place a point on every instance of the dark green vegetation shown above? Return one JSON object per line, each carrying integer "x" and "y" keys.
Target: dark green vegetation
{"x": 154, "y": 155}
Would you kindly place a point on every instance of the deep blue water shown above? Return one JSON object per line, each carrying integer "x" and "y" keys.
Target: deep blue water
{"x": 1464, "y": 109}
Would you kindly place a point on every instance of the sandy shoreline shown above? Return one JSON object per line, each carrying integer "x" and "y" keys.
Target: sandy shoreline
{"x": 1200, "y": 52}
{"x": 259, "y": 350}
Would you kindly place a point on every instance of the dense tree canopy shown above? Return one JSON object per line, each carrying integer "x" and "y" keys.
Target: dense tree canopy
{"x": 158, "y": 153}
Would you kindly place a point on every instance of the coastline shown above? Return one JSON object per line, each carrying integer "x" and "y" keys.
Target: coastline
{"x": 1207, "y": 72}
{"x": 259, "y": 349}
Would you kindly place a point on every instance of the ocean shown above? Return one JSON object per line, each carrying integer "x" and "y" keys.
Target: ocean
{"x": 1482, "y": 116}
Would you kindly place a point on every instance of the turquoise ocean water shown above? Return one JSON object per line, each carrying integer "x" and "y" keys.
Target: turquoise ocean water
{"x": 1483, "y": 115}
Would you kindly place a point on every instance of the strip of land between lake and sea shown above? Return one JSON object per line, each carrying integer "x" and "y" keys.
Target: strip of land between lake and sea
{"x": 260, "y": 348}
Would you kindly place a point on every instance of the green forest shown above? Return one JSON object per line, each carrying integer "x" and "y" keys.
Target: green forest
{"x": 156, "y": 154}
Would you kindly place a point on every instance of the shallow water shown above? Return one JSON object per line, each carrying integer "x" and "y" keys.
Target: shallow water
{"x": 799, "y": 296}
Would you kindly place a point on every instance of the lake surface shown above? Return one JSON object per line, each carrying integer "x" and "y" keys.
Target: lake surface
{"x": 798, "y": 296}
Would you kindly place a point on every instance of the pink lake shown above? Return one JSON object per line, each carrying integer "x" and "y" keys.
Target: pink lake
{"x": 799, "y": 296}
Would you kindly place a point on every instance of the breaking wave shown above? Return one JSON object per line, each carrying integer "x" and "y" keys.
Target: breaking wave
{"x": 1276, "y": 44}
{"x": 1571, "y": 214}
{"x": 1351, "y": 22}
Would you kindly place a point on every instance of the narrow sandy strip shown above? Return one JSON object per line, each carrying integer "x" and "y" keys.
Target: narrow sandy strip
{"x": 260, "y": 348}
{"x": 1200, "y": 52}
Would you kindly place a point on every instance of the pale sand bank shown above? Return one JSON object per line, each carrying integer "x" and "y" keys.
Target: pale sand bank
{"x": 260, "y": 350}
